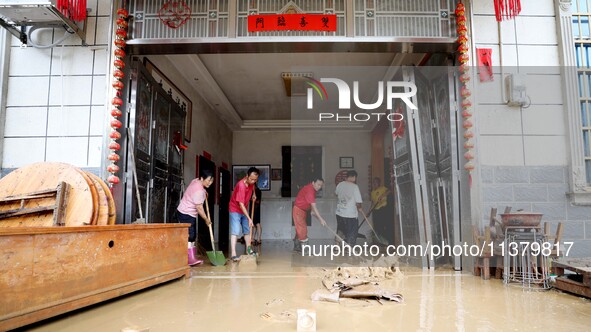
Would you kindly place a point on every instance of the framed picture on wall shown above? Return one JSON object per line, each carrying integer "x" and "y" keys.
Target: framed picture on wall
{"x": 264, "y": 182}
{"x": 346, "y": 162}
{"x": 177, "y": 95}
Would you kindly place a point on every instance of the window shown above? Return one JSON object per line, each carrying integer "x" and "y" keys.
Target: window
{"x": 581, "y": 15}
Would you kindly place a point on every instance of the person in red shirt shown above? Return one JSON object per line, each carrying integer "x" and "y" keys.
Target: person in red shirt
{"x": 240, "y": 221}
{"x": 305, "y": 201}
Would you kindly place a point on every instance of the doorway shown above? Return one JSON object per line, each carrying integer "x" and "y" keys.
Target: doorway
{"x": 426, "y": 165}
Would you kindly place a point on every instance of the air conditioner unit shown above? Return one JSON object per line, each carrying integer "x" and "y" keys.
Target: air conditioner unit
{"x": 17, "y": 15}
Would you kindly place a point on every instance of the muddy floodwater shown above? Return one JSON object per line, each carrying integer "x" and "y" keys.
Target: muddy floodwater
{"x": 265, "y": 297}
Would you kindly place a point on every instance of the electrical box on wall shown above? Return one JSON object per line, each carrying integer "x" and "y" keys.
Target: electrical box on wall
{"x": 515, "y": 88}
{"x": 17, "y": 15}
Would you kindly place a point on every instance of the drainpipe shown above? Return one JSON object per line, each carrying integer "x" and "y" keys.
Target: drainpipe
{"x": 4, "y": 66}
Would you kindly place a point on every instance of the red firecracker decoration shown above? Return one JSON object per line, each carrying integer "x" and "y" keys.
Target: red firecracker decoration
{"x": 507, "y": 9}
{"x": 117, "y": 102}
{"x": 73, "y": 9}
{"x": 464, "y": 78}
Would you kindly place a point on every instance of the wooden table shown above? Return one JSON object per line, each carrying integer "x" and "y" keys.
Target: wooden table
{"x": 579, "y": 284}
{"x": 47, "y": 271}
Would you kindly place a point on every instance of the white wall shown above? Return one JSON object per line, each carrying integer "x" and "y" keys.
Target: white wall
{"x": 514, "y": 136}
{"x": 55, "y": 103}
{"x": 264, "y": 147}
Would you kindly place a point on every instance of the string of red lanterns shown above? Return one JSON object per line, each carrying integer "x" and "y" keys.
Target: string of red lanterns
{"x": 117, "y": 102}
{"x": 465, "y": 92}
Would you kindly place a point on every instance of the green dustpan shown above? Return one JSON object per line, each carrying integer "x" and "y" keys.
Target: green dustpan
{"x": 215, "y": 257}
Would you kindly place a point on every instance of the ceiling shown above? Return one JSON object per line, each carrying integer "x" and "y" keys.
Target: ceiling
{"x": 247, "y": 90}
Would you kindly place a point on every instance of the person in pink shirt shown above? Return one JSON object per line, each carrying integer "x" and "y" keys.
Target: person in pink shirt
{"x": 305, "y": 201}
{"x": 191, "y": 205}
{"x": 240, "y": 221}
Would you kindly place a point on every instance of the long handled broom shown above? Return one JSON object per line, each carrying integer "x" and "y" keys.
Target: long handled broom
{"x": 141, "y": 220}
{"x": 378, "y": 238}
{"x": 215, "y": 257}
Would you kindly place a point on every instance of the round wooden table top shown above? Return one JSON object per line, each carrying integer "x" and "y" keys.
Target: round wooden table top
{"x": 103, "y": 202}
{"x": 79, "y": 204}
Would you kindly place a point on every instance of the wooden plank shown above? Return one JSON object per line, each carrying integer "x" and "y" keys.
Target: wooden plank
{"x": 572, "y": 286}
{"x": 110, "y": 201}
{"x": 59, "y": 214}
{"x": 25, "y": 211}
{"x": 51, "y": 270}
{"x": 579, "y": 265}
{"x": 88, "y": 299}
{"x": 93, "y": 194}
{"x": 103, "y": 203}
{"x": 47, "y": 176}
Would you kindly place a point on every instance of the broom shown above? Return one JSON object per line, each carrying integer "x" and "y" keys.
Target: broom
{"x": 215, "y": 257}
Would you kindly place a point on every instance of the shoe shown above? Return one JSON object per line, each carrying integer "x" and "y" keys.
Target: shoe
{"x": 250, "y": 251}
{"x": 192, "y": 257}
{"x": 236, "y": 258}
{"x": 297, "y": 245}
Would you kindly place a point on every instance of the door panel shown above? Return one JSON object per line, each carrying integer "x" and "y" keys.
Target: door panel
{"x": 154, "y": 118}
{"x": 425, "y": 164}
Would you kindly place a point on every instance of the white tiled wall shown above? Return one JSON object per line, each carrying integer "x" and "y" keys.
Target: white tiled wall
{"x": 514, "y": 136}
{"x": 57, "y": 97}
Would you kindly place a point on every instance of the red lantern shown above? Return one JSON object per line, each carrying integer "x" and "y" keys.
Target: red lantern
{"x": 119, "y": 53}
{"x": 462, "y": 30}
{"x": 118, "y": 85}
{"x": 464, "y": 68}
{"x": 466, "y": 103}
{"x": 466, "y": 113}
{"x": 121, "y": 33}
{"x": 467, "y": 124}
{"x": 468, "y": 145}
{"x": 468, "y": 134}
{"x": 117, "y": 101}
{"x": 122, "y": 23}
{"x": 461, "y": 20}
{"x": 469, "y": 166}
{"x": 113, "y": 157}
{"x": 464, "y": 78}
{"x": 118, "y": 74}
{"x": 464, "y": 58}
{"x": 468, "y": 155}
{"x": 116, "y": 123}
{"x": 122, "y": 13}
{"x": 119, "y": 64}
{"x": 116, "y": 112}
{"x": 460, "y": 9}
{"x": 114, "y": 146}
{"x": 113, "y": 179}
{"x": 114, "y": 134}
{"x": 465, "y": 92}
{"x": 113, "y": 168}
{"x": 120, "y": 43}
{"x": 463, "y": 48}
{"x": 462, "y": 39}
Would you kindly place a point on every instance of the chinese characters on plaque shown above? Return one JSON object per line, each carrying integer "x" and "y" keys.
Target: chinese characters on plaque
{"x": 309, "y": 22}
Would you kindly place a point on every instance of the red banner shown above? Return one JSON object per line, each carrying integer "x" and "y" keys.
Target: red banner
{"x": 308, "y": 22}
{"x": 485, "y": 64}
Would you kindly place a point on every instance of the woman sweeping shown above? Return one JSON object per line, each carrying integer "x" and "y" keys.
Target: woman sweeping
{"x": 191, "y": 205}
